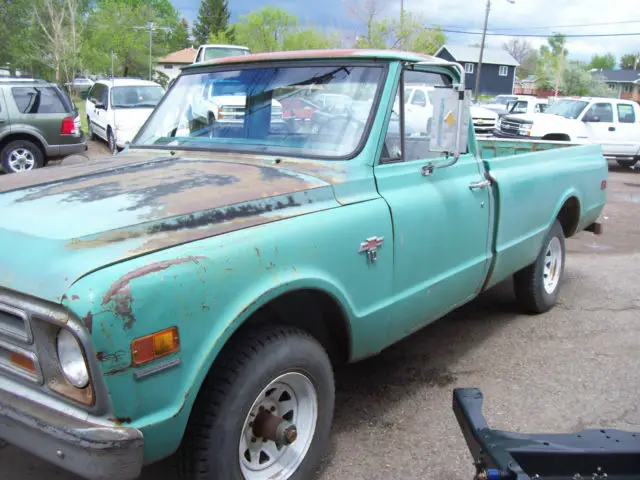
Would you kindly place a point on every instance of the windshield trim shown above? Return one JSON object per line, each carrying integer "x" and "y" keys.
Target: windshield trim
{"x": 200, "y": 70}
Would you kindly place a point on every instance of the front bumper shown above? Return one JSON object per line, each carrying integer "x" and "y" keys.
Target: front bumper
{"x": 88, "y": 449}
{"x": 501, "y": 134}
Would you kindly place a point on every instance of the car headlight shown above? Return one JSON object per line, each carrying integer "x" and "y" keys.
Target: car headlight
{"x": 72, "y": 360}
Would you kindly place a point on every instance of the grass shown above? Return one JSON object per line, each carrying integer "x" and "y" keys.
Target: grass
{"x": 82, "y": 111}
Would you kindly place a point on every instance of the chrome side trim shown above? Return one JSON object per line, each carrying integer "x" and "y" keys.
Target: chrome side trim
{"x": 161, "y": 367}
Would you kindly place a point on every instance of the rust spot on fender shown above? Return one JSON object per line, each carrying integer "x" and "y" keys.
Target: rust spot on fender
{"x": 75, "y": 297}
{"x": 119, "y": 420}
{"x": 110, "y": 357}
{"x": 88, "y": 321}
{"x": 141, "y": 272}
{"x": 64, "y": 297}
{"x": 115, "y": 371}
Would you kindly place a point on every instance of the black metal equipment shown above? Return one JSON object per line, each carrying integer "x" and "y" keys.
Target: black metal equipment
{"x": 587, "y": 455}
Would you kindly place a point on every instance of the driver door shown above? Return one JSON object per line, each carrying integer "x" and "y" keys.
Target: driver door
{"x": 441, "y": 219}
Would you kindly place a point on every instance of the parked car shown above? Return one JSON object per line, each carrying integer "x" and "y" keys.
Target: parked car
{"x": 527, "y": 105}
{"x": 501, "y": 102}
{"x": 612, "y": 123}
{"x": 79, "y": 85}
{"x": 195, "y": 294}
{"x": 117, "y": 108}
{"x": 214, "y": 51}
{"x": 484, "y": 120}
{"x": 37, "y": 122}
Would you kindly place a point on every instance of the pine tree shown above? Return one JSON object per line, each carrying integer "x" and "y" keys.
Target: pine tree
{"x": 180, "y": 36}
{"x": 213, "y": 18}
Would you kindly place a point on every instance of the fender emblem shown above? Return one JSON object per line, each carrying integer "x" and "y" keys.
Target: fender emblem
{"x": 370, "y": 247}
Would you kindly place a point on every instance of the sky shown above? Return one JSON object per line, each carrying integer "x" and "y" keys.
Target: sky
{"x": 521, "y": 17}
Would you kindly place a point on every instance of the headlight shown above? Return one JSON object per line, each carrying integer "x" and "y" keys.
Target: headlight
{"x": 72, "y": 360}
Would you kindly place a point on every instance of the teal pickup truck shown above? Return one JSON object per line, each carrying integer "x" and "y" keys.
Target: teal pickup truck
{"x": 194, "y": 293}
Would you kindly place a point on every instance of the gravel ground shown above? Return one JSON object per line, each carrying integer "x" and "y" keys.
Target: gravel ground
{"x": 574, "y": 367}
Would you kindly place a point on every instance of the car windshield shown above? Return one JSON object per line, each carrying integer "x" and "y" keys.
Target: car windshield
{"x": 503, "y": 99}
{"x": 567, "y": 108}
{"x": 242, "y": 109}
{"x": 136, "y": 96}
{"x": 212, "y": 53}
{"x": 519, "y": 107}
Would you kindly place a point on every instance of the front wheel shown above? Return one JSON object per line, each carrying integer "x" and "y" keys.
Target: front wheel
{"x": 111, "y": 141}
{"x": 21, "y": 156}
{"x": 264, "y": 411}
{"x": 538, "y": 285}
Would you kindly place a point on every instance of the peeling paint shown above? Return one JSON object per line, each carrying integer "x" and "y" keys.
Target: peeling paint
{"x": 88, "y": 322}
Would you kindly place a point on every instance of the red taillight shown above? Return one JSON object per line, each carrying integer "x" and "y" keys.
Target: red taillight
{"x": 603, "y": 185}
{"x": 68, "y": 126}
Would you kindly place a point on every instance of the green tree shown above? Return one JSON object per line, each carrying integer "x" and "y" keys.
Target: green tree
{"x": 309, "y": 38}
{"x": 556, "y": 43}
{"x": 630, "y": 61}
{"x": 213, "y": 18}
{"x": 264, "y": 30}
{"x": 603, "y": 62}
{"x": 408, "y": 33}
{"x": 15, "y": 19}
{"x": 576, "y": 80}
{"x": 180, "y": 36}
{"x": 115, "y": 25}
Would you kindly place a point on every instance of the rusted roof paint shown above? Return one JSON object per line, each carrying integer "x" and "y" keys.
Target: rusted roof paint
{"x": 355, "y": 54}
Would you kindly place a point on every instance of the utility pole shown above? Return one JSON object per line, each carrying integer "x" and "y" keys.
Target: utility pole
{"x": 402, "y": 24}
{"x": 484, "y": 35}
{"x": 152, "y": 27}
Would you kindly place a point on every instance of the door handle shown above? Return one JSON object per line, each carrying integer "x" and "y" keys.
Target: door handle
{"x": 482, "y": 184}
{"x": 612, "y": 129}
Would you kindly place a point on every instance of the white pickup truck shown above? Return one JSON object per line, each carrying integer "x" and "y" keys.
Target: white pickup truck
{"x": 613, "y": 123}
{"x": 223, "y": 104}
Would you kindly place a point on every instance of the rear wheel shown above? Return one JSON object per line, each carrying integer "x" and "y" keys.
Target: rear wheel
{"x": 264, "y": 411}
{"x": 21, "y": 156}
{"x": 627, "y": 163}
{"x": 538, "y": 285}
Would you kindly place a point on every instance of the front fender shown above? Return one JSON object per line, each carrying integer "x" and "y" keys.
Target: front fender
{"x": 209, "y": 288}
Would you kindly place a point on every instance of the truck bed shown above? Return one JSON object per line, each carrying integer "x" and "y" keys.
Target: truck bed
{"x": 500, "y": 147}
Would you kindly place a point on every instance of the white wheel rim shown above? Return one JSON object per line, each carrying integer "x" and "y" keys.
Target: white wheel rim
{"x": 293, "y": 397}
{"x": 552, "y": 265}
{"x": 21, "y": 160}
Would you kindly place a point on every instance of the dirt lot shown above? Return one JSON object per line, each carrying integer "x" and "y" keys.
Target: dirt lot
{"x": 577, "y": 366}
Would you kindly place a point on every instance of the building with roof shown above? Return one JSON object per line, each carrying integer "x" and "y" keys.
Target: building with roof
{"x": 498, "y": 67}
{"x": 624, "y": 83}
{"x": 172, "y": 63}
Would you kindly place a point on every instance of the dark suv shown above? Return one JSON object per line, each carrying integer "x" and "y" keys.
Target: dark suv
{"x": 38, "y": 121}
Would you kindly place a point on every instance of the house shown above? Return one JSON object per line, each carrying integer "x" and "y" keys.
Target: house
{"x": 172, "y": 63}
{"x": 624, "y": 83}
{"x": 498, "y": 67}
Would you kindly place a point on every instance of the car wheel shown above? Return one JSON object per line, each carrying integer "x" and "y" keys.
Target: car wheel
{"x": 21, "y": 156}
{"x": 538, "y": 285}
{"x": 264, "y": 411}
{"x": 90, "y": 133}
{"x": 111, "y": 141}
{"x": 627, "y": 163}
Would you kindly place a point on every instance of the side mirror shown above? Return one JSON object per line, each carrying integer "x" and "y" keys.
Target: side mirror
{"x": 100, "y": 106}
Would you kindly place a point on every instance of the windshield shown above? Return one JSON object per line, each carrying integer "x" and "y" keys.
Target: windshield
{"x": 567, "y": 108}
{"x": 242, "y": 109}
{"x": 212, "y": 53}
{"x": 519, "y": 107}
{"x": 503, "y": 99}
{"x": 136, "y": 96}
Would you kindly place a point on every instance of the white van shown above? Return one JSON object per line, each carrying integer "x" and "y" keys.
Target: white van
{"x": 212, "y": 52}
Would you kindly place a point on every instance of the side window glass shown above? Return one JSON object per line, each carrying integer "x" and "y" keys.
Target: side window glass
{"x": 104, "y": 96}
{"x": 600, "y": 112}
{"x": 626, "y": 113}
{"x": 32, "y": 100}
{"x": 416, "y": 118}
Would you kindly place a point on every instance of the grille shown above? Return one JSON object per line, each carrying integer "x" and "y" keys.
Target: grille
{"x": 510, "y": 127}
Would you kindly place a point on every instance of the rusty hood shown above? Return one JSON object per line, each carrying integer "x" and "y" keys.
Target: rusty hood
{"x": 58, "y": 223}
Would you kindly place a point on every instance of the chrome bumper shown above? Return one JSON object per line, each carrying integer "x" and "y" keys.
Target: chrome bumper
{"x": 91, "y": 450}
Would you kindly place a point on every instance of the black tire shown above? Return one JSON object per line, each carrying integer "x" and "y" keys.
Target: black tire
{"x": 111, "y": 142}
{"x": 90, "y": 133}
{"x": 528, "y": 283}
{"x": 210, "y": 447}
{"x": 31, "y": 148}
{"x": 627, "y": 163}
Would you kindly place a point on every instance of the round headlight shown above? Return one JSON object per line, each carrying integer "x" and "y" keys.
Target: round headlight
{"x": 72, "y": 360}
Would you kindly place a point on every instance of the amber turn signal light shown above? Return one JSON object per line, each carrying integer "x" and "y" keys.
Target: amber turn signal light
{"x": 157, "y": 345}
{"x": 22, "y": 361}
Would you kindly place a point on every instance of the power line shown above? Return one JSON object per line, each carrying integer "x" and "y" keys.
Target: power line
{"x": 548, "y": 27}
{"x": 585, "y": 35}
